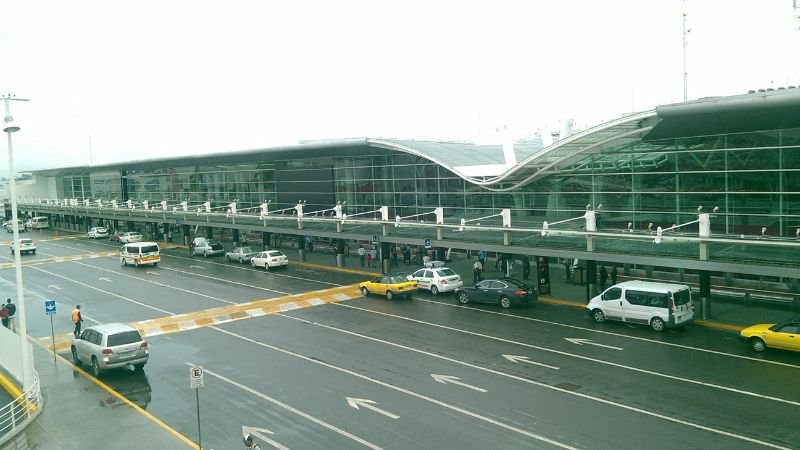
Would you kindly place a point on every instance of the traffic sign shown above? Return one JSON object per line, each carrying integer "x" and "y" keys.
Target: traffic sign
{"x": 196, "y": 377}
{"x": 428, "y": 243}
{"x": 177, "y": 222}
{"x": 374, "y": 238}
{"x": 50, "y": 307}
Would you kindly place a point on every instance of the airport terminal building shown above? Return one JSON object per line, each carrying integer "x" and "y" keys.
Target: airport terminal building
{"x": 708, "y": 188}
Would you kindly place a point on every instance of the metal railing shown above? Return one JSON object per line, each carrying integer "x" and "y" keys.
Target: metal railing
{"x": 16, "y": 415}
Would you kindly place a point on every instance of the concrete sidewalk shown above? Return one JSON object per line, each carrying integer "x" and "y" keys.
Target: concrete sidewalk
{"x": 82, "y": 413}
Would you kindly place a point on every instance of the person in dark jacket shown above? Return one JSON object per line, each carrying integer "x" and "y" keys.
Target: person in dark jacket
{"x": 613, "y": 275}
{"x": 526, "y": 267}
{"x": 603, "y": 278}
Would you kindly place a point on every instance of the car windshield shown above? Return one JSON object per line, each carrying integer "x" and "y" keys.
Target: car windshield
{"x": 101, "y": 230}
{"x": 397, "y": 279}
{"x": 126, "y": 337}
{"x": 275, "y": 254}
{"x": 245, "y": 250}
{"x": 150, "y": 249}
{"x": 682, "y": 297}
{"x": 446, "y": 272}
{"x": 26, "y": 241}
{"x": 216, "y": 245}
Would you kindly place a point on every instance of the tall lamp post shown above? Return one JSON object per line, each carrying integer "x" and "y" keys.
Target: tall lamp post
{"x": 27, "y": 364}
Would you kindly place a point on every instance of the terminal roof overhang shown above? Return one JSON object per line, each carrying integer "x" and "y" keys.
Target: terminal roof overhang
{"x": 751, "y": 112}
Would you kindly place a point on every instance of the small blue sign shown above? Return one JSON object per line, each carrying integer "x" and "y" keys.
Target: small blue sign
{"x": 50, "y": 307}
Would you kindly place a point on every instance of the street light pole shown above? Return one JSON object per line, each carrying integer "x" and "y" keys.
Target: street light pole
{"x": 685, "y": 73}
{"x": 27, "y": 363}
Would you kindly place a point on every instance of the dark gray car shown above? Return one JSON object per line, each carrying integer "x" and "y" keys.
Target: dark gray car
{"x": 505, "y": 292}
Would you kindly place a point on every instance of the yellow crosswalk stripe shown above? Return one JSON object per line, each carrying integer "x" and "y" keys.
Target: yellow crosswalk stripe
{"x": 224, "y": 314}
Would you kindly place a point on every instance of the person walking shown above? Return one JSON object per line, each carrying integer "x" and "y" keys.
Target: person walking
{"x": 77, "y": 319}
{"x": 482, "y": 257}
{"x": 603, "y": 278}
{"x": 407, "y": 255}
{"x": 12, "y": 312}
{"x": 368, "y": 258}
{"x": 310, "y": 244}
{"x": 477, "y": 268}
{"x": 191, "y": 248}
{"x": 526, "y": 267}
{"x": 4, "y": 315}
{"x": 613, "y": 275}
{"x": 362, "y": 253}
{"x": 374, "y": 256}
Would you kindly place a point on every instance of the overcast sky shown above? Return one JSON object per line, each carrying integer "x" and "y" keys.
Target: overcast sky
{"x": 146, "y": 79}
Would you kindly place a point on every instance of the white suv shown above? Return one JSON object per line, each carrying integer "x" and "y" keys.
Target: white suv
{"x": 440, "y": 279}
{"x": 109, "y": 346}
{"x": 25, "y": 246}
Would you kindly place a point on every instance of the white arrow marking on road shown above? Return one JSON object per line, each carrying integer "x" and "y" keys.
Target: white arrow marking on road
{"x": 197, "y": 267}
{"x": 444, "y": 379}
{"x": 105, "y": 279}
{"x": 581, "y": 341}
{"x": 53, "y": 286}
{"x": 150, "y": 272}
{"x": 518, "y": 359}
{"x": 258, "y": 432}
{"x": 356, "y": 402}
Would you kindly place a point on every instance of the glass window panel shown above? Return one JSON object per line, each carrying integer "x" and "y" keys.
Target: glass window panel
{"x": 753, "y": 159}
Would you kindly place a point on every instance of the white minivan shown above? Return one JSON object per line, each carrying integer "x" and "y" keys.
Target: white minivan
{"x": 37, "y": 223}
{"x": 660, "y": 305}
{"x": 138, "y": 253}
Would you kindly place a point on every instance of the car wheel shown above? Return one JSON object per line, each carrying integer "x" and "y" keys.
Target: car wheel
{"x": 462, "y": 298}
{"x": 266, "y": 267}
{"x": 155, "y": 264}
{"x": 228, "y": 258}
{"x": 241, "y": 261}
{"x": 136, "y": 263}
{"x": 34, "y": 252}
{"x": 657, "y": 324}
{"x": 252, "y": 264}
{"x": 389, "y": 295}
{"x": 12, "y": 251}
{"x": 598, "y": 316}
{"x": 505, "y": 302}
{"x": 124, "y": 262}
{"x": 364, "y": 291}
{"x": 205, "y": 254}
{"x": 75, "y": 358}
{"x": 434, "y": 290}
{"x": 95, "y": 367}
{"x": 757, "y": 345}
{"x": 138, "y": 367}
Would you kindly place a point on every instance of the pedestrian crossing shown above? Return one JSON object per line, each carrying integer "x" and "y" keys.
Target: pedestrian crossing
{"x": 224, "y": 314}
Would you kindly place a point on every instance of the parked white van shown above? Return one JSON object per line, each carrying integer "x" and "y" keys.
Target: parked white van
{"x": 38, "y": 223}
{"x": 137, "y": 253}
{"x": 660, "y": 305}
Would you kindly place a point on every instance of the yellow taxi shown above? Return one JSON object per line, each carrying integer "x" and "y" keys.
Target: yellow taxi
{"x": 388, "y": 285}
{"x": 785, "y": 336}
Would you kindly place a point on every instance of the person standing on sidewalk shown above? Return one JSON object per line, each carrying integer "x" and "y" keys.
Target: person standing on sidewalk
{"x": 374, "y": 256}
{"x": 77, "y": 319}
{"x": 361, "y": 255}
{"x": 12, "y": 312}
{"x": 368, "y": 258}
{"x": 526, "y": 267}
{"x": 477, "y": 268}
{"x": 4, "y": 315}
{"x": 603, "y": 278}
{"x": 613, "y": 275}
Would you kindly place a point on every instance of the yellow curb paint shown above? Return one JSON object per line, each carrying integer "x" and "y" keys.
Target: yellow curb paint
{"x": 335, "y": 269}
{"x": 719, "y": 325}
{"x": 15, "y": 393}
{"x": 122, "y": 398}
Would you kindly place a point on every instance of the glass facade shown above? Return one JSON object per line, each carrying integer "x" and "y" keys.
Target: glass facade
{"x": 754, "y": 179}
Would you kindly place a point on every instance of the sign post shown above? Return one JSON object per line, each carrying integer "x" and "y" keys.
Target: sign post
{"x": 50, "y": 310}
{"x": 196, "y": 382}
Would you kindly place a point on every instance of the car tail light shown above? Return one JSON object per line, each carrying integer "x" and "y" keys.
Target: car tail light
{"x": 442, "y": 281}
{"x": 107, "y": 351}
{"x": 144, "y": 344}
{"x": 521, "y": 293}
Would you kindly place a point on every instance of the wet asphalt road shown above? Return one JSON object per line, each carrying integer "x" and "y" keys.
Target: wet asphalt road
{"x": 428, "y": 373}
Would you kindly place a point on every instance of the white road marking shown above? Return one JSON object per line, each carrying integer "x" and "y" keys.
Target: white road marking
{"x": 358, "y": 403}
{"x": 546, "y": 386}
{"x": 53, "y": 286}
{"x": 240, "y": 267}
{"x": 259, "y": 433}
{"x": 289, "y": 408}
{"x": 581, "y": 341}
{"x": 525, "y": 359}
{"x": 585, "y": 358}
{"x": 260, "y": 288}
{"x": 609, "y": 333}
{"x": 399, "y": 389}
{"x": 444, "y": 379}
